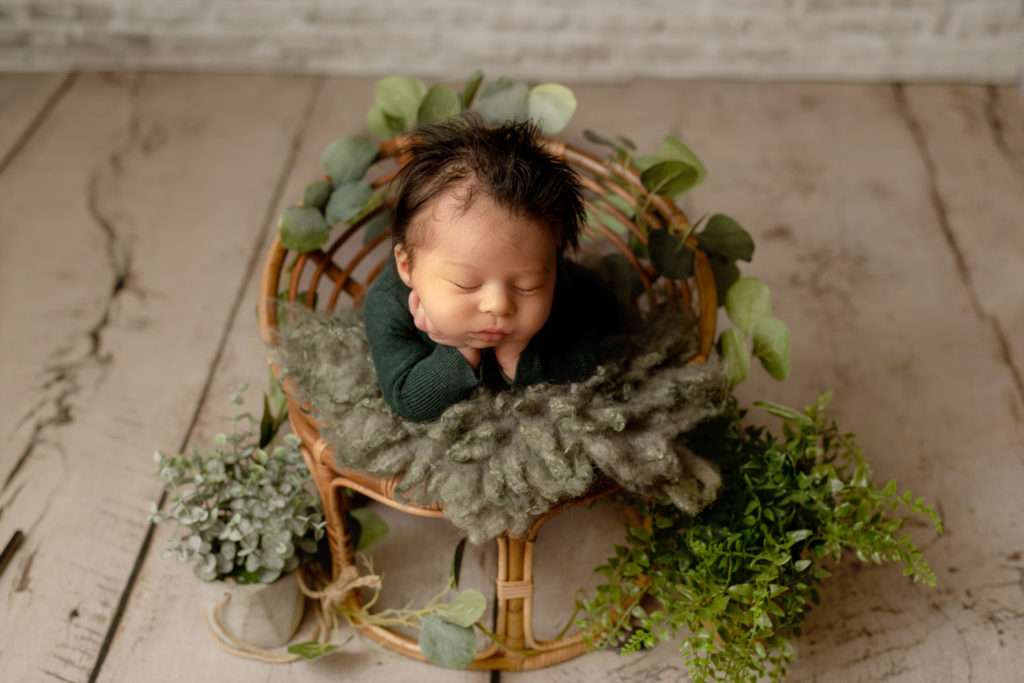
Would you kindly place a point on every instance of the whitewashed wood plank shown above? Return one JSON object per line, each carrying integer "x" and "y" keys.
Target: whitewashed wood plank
{"x": 127, "y": 225}
{"x": 25, "y": 98}
{"x": 973, "y": 137}
{"x": 831, "y": 183}
{"x": 162, "y": 637}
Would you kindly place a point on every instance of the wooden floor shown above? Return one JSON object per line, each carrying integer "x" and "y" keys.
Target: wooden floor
{"x": 134, "y": 213}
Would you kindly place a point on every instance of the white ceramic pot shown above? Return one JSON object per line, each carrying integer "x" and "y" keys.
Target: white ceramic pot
{"x": 262, "y": 614}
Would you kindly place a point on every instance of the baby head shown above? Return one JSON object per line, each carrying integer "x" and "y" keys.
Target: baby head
{"x": 483, "y": 216}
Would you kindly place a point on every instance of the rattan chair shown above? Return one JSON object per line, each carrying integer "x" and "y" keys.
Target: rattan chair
{"x": 514, "y": 580}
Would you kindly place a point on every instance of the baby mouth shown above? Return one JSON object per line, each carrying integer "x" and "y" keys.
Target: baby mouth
{"x": 492, "y": 333}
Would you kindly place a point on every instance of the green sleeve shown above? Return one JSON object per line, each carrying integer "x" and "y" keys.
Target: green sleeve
{"x": 418, "y": 377}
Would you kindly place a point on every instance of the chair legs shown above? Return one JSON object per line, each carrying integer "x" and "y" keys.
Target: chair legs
{"x": 517, "y": 649}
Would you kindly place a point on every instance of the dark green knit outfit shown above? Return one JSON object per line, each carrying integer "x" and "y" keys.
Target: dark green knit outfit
{"x": 421, "y": 378}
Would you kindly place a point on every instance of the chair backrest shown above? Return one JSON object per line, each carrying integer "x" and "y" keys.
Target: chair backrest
{"x": 352, "y": 264}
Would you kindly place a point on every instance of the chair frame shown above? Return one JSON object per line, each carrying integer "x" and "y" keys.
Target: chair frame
{"x": 514, "y": 580}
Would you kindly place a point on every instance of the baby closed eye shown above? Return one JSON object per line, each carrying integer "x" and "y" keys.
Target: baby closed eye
{"x": 521, "y": 290}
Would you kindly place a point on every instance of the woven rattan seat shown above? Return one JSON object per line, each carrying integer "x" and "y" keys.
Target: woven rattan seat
{"x": 514, "y": 580}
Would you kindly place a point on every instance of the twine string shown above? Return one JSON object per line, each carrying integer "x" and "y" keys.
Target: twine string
{"x": 330, "y": 598}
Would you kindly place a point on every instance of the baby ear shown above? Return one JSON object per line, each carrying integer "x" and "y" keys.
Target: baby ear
{"x": 403, "y": 265}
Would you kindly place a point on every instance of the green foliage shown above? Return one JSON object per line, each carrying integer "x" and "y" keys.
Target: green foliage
{"x": 346, "y": 159}
{"x": 726, "y": 238}
{"x": 316, "y": 194}
{"x": 669, "y": 254}
{"x": 302, "y": 228}
{"x": 742, "y": 575}
{"x": 446, "y": 644}
{"x": 438, "y": 104}
{"x": 347, "y": 200}
{"x": 551, "y": 105}
{"x": 504, "y": 99}
{"x": 749, "y": 305}
{"x": 312, "y": 650}
{"x": 465, "y": 609}
{"x": 245, "y": 512}
{"x": 398, "y": 98}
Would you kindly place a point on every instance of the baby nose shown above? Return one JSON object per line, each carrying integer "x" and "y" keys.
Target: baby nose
{"x": 497, "y": 301}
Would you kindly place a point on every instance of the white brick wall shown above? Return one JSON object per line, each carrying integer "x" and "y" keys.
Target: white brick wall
{"x": 592, "y": 40}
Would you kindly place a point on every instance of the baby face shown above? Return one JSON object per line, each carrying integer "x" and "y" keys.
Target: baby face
{"x": 485, "y": 278}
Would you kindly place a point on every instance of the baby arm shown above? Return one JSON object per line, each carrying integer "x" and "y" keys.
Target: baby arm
{"x": 419, "y": 380}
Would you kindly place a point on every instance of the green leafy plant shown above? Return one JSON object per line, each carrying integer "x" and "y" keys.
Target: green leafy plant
{"x": 742, "y": 576}
{"x": 246, "y": 509}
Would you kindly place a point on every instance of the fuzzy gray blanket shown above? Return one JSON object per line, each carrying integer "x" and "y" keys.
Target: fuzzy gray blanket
{"x": 498, "y": 460}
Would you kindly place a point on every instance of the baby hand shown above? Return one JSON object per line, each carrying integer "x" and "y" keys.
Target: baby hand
{"x": 422, "y": 322}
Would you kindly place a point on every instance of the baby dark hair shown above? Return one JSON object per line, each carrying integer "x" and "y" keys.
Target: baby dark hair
{"x": 506, "y": 162}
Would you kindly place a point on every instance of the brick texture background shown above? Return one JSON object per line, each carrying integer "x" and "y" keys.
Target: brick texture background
{"x": 592, "y": 40}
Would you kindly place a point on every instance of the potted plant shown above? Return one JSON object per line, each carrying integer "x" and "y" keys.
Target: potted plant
{"x": 249, "y": 517}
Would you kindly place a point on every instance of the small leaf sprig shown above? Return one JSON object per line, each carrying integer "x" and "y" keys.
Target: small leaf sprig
{"x": 742, "y": 576}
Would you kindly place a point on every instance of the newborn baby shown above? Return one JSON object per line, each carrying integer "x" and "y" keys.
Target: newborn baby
{"x": 478, "y": 289}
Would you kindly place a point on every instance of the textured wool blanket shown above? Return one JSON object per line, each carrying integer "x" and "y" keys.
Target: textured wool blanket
{"x": 500, "y": 459}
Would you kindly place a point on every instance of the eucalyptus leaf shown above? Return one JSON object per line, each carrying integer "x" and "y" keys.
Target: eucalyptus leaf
{"x": 722, "y": 235}
{"x": 374, "y": 201}
{"x": 674, "y": 149}
{"x": 439, "y": 104}
{"x": 399, "y": 97}
{"x": 748, "y": 301}
{"x": 465, "y": 610}
{"x": 645, "y": 161}
{"x": 470, "y": 90}
{"x": 551, "y": 105}
{"x": 669, "y": 255}
{"x": 503, "y": 100}
{"x": 346, "y": 159}
{"x": 446, "y": 644}
{"x": 735, "y": 356}
{"x": 316, "y": 194}
{"x": 771, "y": 346}
{"x": 347, "y": 201}
{"x": 372, "y": 527}
{"x": 312, "y": 650}
{"x": 669, "y": 178}
{"x": 382, "y": 124}
{"x": 302, "y": 228}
